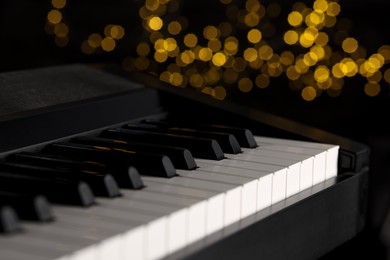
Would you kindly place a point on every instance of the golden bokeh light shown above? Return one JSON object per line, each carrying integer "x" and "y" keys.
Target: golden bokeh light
{"x": 108, "y": 44}
{"x": 254, "y": 36}
{"x": 219, "y": 59}
{"x": 59, "y": 4}
{"x": 245, "y": 85}
{"x": 295, "y": 18}
{"x": 54, "y": 16}
{"x": 350, "y": 45}
{"x": 245, "y": 47}
{"x": 155, "y": 23}
{"x": 309, "y": 93}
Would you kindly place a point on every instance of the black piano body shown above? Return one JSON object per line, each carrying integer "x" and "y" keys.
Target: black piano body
{"x": 81, "y": 99}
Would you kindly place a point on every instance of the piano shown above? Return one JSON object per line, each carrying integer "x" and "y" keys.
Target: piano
{"x": 103, "y": 165}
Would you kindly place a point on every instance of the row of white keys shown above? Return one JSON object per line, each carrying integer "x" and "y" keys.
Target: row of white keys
{"x": 279, "y": 174}
{"x": 332, "y": 151}
{"x": 325, "y": 163}
{"x": 305, "y": 161}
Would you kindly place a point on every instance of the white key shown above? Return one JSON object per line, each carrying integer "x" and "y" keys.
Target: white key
{"x": 332, "y": 152}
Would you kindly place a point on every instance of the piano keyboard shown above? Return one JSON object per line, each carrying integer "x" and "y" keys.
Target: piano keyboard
{"x": 168, "y": 214}
{"x": 95, "y": 172}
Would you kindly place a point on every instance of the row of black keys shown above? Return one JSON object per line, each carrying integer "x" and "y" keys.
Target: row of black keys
{"x": 75, "y": 171}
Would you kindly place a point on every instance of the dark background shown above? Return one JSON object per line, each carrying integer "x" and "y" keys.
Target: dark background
{"x": 24, "y": 44}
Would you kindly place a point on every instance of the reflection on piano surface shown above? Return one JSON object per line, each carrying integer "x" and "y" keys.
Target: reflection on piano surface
{"x": 138, "y": 173}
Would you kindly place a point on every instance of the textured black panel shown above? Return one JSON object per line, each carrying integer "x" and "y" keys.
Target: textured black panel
{"x": 28, "y": 90}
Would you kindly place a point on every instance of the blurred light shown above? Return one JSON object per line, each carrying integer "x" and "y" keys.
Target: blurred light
{"x": 333, "y": 9}
{"x": 86, "y": 48}
{"x": 214, "y": 44}
{"x": 309, "y": 93}
{"x": 54, "y": 16}
{"x": 245, "y": 85}
{"x": 152, "y": 5}
{"x": 143, "y": 49}
{"x": 265, "y": 52}
{"x": 291, "y": 37}
{"x": 196, "y": 80}
{"x": 61, "y": 30}
{"x": 176, "y": 79}
{"x": 254, "y": 36}
{"x": 330, "y": 21}
{"x": 322, "y": 39}
{"x": 154, "y": 36}
{"x": 350, "y": 45}
{"x": 187, "y": 57}
{"x": 117, "y": 32}
{"x": 321, "y": 74}
{"x": 219, "y": 93}
{"x": 372, "y": 89}
{"x": 250, "y": 54}
{"x": 155, "y": 23}
{"x": 287, "y": 58}
{"x": 239, "y": 64}
{"x": 141, "y": 63}
{"x": 252, "y": 19}
{"x": 212, "y": 76}
{"x": 386, "y": 75}
{"x": 219, "y": 59}
{"x": 320, "y": 5}
{"x": 108, "y": 44}
{"x": 252, "y": 5}
{"x": 174, "y": 28}
{"x": 262, "y": 81}
{"x": 160, "y": 56}
{"x": 230, "y": 76}
{"x": 231, "y": 45}
{"x": 310, "y": 59}
{"x": 205, "y": 54}
{"x": 385, "y": 52}
{"x": 59, "y": 4}
{"x": 190, "y": 40}
{"x": 225, "y": 28}
{"x": 292, "y": 73}
{"x": 210, "y": 32}
{"x": 295, "y": 19}
{"x": 94, "y": 40}
{"x": 375, "y": 78}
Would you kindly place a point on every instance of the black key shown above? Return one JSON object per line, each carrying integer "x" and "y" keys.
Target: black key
{"x": 181, "y": 157}
{"x": 244, "y": 136}
{"x": 28, "y": 206}
{"x": 228, "y": 142}
{"x": 9, "y": 220}
{"x": 199, "y": 147}
{"x": 101, "y": 184}
{"x": 147, "y": 163}
{"x": 55, "y": 190}
{"x": 126, "y": 177}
